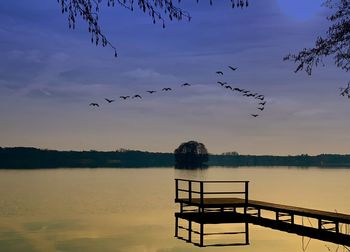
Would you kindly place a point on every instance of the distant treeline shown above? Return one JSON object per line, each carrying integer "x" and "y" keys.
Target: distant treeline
{"x": 28, "y": 158}
{"x": 323, "y": 160}
{"x": 23, "y": 157}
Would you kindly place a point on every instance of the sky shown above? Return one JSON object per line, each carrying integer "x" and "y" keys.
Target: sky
{"x": 50, "y": 74}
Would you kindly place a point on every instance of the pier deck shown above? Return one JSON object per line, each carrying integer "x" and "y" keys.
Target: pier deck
{"x": 225, "y": 203}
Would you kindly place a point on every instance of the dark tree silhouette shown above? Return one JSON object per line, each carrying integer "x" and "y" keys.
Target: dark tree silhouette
{"x": 336, "y": 43}
{"x": 158, "y": 10}
{"x": 191, "y": 155}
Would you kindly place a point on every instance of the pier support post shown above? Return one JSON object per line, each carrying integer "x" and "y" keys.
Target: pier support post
{"x": 176, "y": 226}
{"x": 201, "y": 234}
{"x": 337, "y": 227}
{"x": 319, "y": 224}
{"x": 246, "y": 232}
{"x": 190, "y": 231}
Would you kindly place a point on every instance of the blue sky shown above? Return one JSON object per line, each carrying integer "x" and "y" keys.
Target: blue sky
{"x": 49, "y": 75}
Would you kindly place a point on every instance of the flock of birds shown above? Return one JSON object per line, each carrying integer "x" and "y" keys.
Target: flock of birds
{"x": 94, "y": 104}
{"x": 260, "y": 98}
{"x": 246, "y": 93}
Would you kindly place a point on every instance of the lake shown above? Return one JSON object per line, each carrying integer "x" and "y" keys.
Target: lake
{"x": 132, "y": 210}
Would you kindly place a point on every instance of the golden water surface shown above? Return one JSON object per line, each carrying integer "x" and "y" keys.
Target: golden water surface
{"x": 132, "y": 210}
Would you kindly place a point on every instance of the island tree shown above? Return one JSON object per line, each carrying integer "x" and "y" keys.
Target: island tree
{"x": 191, "y": 155}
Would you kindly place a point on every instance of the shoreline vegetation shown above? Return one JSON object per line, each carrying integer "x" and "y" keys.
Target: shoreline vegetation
{"x": 34, "y": 158}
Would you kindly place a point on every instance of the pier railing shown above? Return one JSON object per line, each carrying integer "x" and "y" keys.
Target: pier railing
{"x": 190, "y": 187}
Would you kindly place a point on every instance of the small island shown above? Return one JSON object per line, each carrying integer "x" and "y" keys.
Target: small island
{"x": 191, "y": 155}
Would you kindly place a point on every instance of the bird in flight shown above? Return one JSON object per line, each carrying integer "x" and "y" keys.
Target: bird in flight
{"x": 262, "y": 103}
{"x": 239, "y": 90}
{"x": 228, "y": 86}
{"x": 137, "y": 96}
{"x": 233, "y": 68}
{"x": 109, "y": 101}
{"x": 151, "y": 91}
{"x": 220, "y": 72}
{"x": 124, "y": 97}
{"x": 94, "y": 104}
{"x": 254, "y": 115}
{"x": 262, "y": 108}
{"x": 185, "y": 84}
{"x": 222, "y": 83}
{"x": 166, "y": 89}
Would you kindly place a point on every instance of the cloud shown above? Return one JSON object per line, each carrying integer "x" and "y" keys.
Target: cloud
{"x": 141, "y": 73}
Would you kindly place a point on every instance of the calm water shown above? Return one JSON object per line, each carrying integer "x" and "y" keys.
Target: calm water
{"x": 133, "y": 209}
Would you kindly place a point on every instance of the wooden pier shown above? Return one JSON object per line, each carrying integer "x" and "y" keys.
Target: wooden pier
{"x": 199, "y": 203}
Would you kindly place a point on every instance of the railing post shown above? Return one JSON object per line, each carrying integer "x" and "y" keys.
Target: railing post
{"x": 201, "y": 192}
{"x": 176, "y": 189}
{"x": 246, "y": 192}
{"x": 190, "y": 191}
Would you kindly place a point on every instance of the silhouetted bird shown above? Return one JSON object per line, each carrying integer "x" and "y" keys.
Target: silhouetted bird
{"x": 137, "y": 96}
{"x": 151, "y": 91}
{"x": 262, "y": 103}
{"x": 109, "y": 101}
{"x": 166, "y": 89}
{"x": 185, "y": 84}
{"x": 260, "y": 96}
{"x": 238, "y": 89}
{"x": 220, "y": 72}
{"x": 228, "y": 87}
{"x": 233, "y": 68}
{"x": 245, "y": 91}
{"x": 124, "y": 97}
{"x": 222, "y": 83}
{"x": 254, "y": 115}
{"x": 262, "y": 108}
{"x": 94, "y": 104}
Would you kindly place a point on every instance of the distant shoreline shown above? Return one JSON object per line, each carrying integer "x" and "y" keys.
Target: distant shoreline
{"x": 34, "y": 158}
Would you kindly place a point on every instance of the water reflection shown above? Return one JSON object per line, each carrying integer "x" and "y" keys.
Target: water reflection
{"x": 193, "y": 228}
